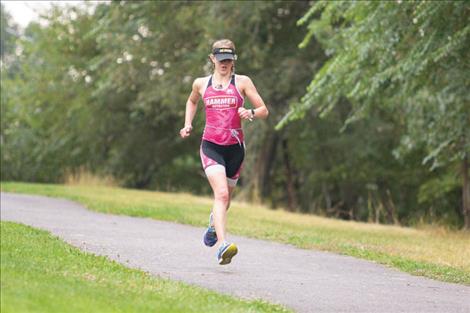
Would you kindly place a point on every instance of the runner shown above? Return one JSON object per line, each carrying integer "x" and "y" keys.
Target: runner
{"x": 222, "y": 148}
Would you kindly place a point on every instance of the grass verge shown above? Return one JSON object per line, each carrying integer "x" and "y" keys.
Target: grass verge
{"x": 40, "y": 273}
{"x": 435, "y": 253}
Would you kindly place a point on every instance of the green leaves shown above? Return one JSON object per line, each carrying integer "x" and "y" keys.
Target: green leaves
{"x": 376, "y": 89}
{"x": 403, "y": 59}
{"x": 387, "y": 54}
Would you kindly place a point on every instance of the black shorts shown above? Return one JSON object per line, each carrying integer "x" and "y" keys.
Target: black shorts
{"x": 231, "y": 157}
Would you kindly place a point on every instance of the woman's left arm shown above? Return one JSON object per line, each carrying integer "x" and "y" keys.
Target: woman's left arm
{"x": 260, "y": 110}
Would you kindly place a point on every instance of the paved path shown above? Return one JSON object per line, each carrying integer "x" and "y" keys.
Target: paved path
{"x": 303, "y": 280}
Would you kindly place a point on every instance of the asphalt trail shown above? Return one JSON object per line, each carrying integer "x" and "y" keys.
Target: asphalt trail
{"x": 303, "y": 280}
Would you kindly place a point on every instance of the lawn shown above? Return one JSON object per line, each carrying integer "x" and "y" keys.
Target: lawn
{"x": 41, "y": 273}
{"x": 436, "y": 253}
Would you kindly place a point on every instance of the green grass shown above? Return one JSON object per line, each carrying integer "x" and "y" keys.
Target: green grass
{"x": 40, "y": 273}
{"x": 436, "y": 253}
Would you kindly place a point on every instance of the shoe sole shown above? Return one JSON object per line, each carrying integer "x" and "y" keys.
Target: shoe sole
{"x": 228, "y": 254}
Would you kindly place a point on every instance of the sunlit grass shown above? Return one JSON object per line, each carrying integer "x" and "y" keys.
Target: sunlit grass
{"x": 84, "y": 177}
{"x": 40, "y": 273}
{"x": 435, "y": 252}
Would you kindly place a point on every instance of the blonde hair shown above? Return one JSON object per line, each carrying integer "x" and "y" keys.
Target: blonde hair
{"x": 224, "y": 43}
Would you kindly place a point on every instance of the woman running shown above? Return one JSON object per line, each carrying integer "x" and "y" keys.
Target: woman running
{"x": 222, "y": 148}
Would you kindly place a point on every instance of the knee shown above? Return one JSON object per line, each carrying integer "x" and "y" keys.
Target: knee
{"x": 222, "y": 195}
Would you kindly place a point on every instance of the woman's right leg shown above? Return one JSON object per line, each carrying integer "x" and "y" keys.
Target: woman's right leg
{"x": 218, "y": 181}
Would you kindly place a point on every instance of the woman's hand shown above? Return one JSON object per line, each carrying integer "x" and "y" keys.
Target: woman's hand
{"x": 186, "y": 131}
{"x": 245, "y": 114}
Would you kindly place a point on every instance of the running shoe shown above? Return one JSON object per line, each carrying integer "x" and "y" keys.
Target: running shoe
{"x": 210, "y": 236}
{"x": 226, "y": 252}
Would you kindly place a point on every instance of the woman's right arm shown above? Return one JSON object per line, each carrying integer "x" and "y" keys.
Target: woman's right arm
{"x": 191, "y": 107}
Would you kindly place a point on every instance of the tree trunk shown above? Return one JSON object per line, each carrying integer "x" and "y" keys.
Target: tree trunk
{"x": 370, "y": 208}
{"x": 269, "y": 153}
{"x": 261, "y": 188}
{"x": 326, "y": 195}
{"x": 391, "y": 209}
{"x": 264, "y": 164}
{"x": 291, "y": 196}
{"x": 377, "y": 212}
{"x": 466, "y": 193}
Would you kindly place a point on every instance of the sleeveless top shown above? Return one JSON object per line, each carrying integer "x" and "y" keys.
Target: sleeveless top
{"x": 223, "y": 124}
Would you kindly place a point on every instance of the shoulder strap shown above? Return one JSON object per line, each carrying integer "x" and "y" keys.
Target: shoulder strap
{"x": 209, "y": 83}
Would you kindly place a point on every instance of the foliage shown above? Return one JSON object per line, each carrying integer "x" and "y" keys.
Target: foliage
{"x": 9, "y": 31}
{"x": 394, "y": 54}
{"x": 46, "y": 121}
{"x": 101, "y": 89}
{"x": 400, "y": 57}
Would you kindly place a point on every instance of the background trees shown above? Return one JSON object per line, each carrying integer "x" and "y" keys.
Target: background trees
{"x": 404, "y": 58}
{"x": 382, "y": 134}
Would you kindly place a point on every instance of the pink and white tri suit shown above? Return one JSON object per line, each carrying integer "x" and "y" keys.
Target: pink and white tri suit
{"x": 223, "y": 124}
{"x": 222, "y": 140}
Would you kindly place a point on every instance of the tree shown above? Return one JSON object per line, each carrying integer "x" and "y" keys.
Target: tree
{"x": 10, "y": 33}
{"x": 402, "y": 56}
{"x": 45, "y": 125}
{"x": 148, "y": 58}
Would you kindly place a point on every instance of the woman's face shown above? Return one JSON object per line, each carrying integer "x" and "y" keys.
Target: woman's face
{"x": 222, "y": 67}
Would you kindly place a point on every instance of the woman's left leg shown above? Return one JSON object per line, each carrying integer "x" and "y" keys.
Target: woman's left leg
{"x": 231, "y": 189}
